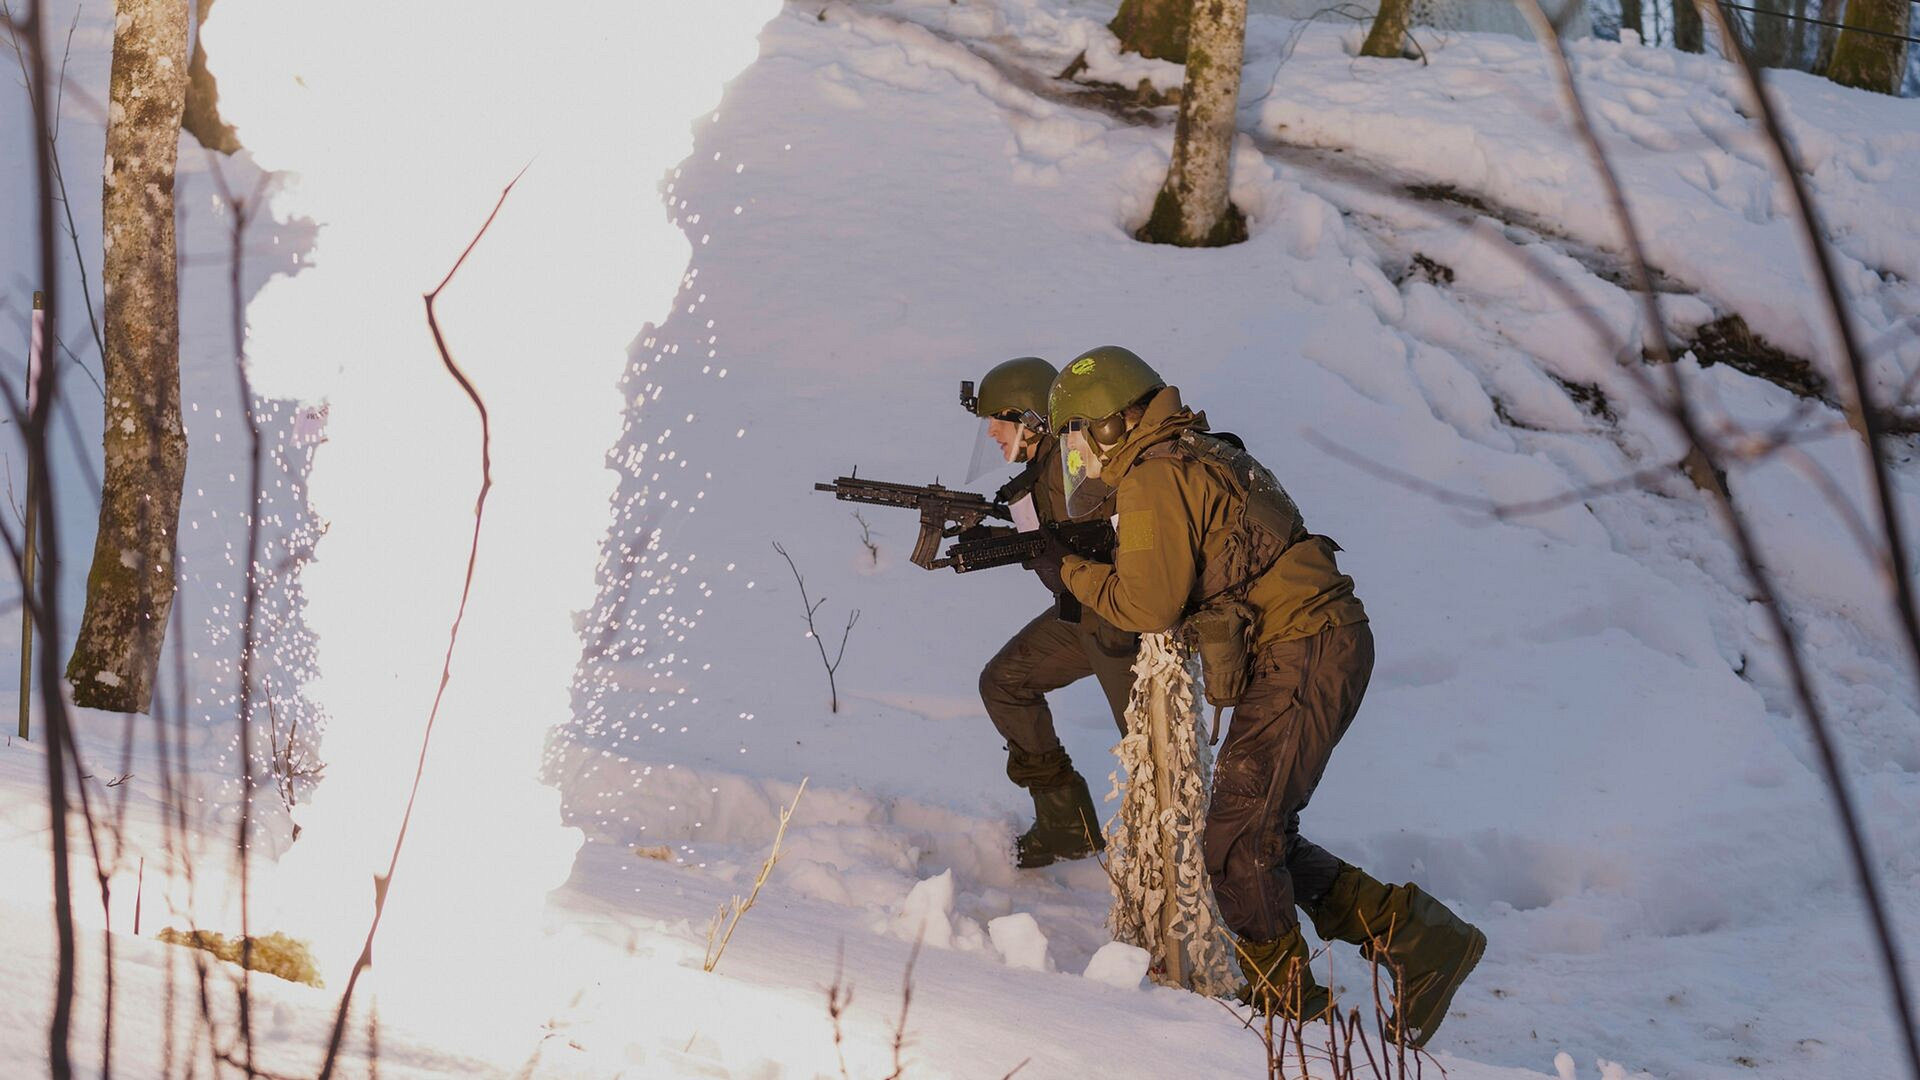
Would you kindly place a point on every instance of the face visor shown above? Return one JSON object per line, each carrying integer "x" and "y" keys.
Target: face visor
{"x": 1080, "y": 470}
{"x": 1000, "y": 441}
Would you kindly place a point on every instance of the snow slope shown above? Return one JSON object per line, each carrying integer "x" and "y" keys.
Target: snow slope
{"x": 1577, "y": 733}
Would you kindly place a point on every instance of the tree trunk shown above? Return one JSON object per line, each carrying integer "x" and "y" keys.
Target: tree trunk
{"x": 1868, "y": 61}
{"x": 1800, "y": 49}
{"x": 202, "y": 117}
{"x": 1770, "y": 32}
{"x": 1630, "y": 18}
{"x": 1192, "y": 209}
{"x": 130, "y": 588}
{"x": 1688, "y": 35}
{"x": 1830, "y": 12}
{"x": 1388, "y": 37}
{"x": 1156, "y": 29}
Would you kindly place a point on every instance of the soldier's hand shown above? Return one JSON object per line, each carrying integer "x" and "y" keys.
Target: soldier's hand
{"x": 1047, "y": 565}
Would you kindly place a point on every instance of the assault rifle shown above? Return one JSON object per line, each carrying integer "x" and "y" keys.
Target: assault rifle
{"x": 1090, "y": 539}
{"x": 944, "y": 512}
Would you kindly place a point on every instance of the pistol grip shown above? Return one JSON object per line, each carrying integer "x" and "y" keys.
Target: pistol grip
{"x": 1067, "y": 607}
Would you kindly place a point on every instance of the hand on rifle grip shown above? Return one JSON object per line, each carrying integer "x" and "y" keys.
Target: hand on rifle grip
{"x": 1047, "y": 565}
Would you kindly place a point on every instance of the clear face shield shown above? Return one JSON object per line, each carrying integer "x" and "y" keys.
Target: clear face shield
{"x": 1080, "y": 470}
{"x": 999, "y": 442}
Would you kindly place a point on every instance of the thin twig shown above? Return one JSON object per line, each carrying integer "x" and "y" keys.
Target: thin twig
{"x": 741, "y": 907}
{"x": 382, "y": 883}
{"x": 906, "y": 1004}
{"x": 47, "y": 607}
{"x": 60, "y": 182}
{"x": 242, "y": 210}
{"x": 838, "y": 1001}
{"x": 1681, "y": 414}
{"x": 866, "y": 539}
{"x": 812, "y": 606}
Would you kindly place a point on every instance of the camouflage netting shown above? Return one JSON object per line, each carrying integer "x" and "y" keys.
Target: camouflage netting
{"x": 1165, "y": 685}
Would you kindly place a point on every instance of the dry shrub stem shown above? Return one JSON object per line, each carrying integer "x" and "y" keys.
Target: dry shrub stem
{"x": 1385, "y": 1049}
{"x": 46, "y": 610}
{"x": 906, "y": 1004}
{"x": 383, "y": 882}
{"x": 730, "y": 912}
{"x": 839, "y": 999}
{"x": 242, "y": 210}
{"x": 812, "y": 606}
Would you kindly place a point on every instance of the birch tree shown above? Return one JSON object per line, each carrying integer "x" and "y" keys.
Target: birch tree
{"x": 130, "y": 587}
{"x": 1869, "y": 53}
{"x": 1192, "y": 209}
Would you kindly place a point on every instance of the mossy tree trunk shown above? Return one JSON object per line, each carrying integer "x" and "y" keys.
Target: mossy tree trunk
{"x": 1688, "y": 33}
{"x": 1156, "y": 29}
{"x": 202, "y": 117}
{"x": 1192, "y": 209}
{"x": 130, "y": 587}
{"x": 1866, "y": 60}
{"x": 1388, "y": 37}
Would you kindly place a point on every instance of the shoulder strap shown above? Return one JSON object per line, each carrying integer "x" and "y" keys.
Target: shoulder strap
{"x": 1023, "y": 482}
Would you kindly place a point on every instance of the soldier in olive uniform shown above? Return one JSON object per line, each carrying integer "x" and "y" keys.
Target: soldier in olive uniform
{"x": 1049, "y": 652}
{"x": 1207, "y": 539}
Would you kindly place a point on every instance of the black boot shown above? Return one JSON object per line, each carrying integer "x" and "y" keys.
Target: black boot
{"x": 1065, "y": 825}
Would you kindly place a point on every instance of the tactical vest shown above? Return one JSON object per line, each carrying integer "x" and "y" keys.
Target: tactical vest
{"x": 1219, "y": 624}
{"x": 1266, "y": 520}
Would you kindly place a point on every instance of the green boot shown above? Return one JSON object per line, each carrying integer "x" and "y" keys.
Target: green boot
{"x": 1065, "y": 826}
{"x": 1427, "y": 946}
{"x": 1278, "y": 979}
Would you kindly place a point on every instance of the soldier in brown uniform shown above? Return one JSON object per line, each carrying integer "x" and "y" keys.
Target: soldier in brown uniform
{"x": 1049, "y": 652}
{"x": 1209, "y": 541}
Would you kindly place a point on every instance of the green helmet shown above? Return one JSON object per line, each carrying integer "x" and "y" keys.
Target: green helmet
{"x": 1015, "y": 387}
{"x": 1097, "y": 384}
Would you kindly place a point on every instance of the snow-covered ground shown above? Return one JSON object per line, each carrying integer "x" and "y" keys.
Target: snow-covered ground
{"x": 1578, "y": 734}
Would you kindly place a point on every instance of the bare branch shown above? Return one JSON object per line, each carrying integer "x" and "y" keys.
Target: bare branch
{"x": 1680, "y": 413}
{"x": 813, "y": 606}
{"x": 453, "y": 637}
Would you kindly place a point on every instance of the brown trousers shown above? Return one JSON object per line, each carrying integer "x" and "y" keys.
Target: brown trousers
{"x": 1044, "y": 656}
{"x": 1299, "y": 702}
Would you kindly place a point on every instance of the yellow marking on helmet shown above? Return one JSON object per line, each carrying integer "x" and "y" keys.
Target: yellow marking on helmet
{"x": 1075, "y": 463}
{"x": 1082, "y": 366}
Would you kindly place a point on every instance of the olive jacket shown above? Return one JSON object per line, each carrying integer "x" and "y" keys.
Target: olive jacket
{"x": 1181, "y": 542}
